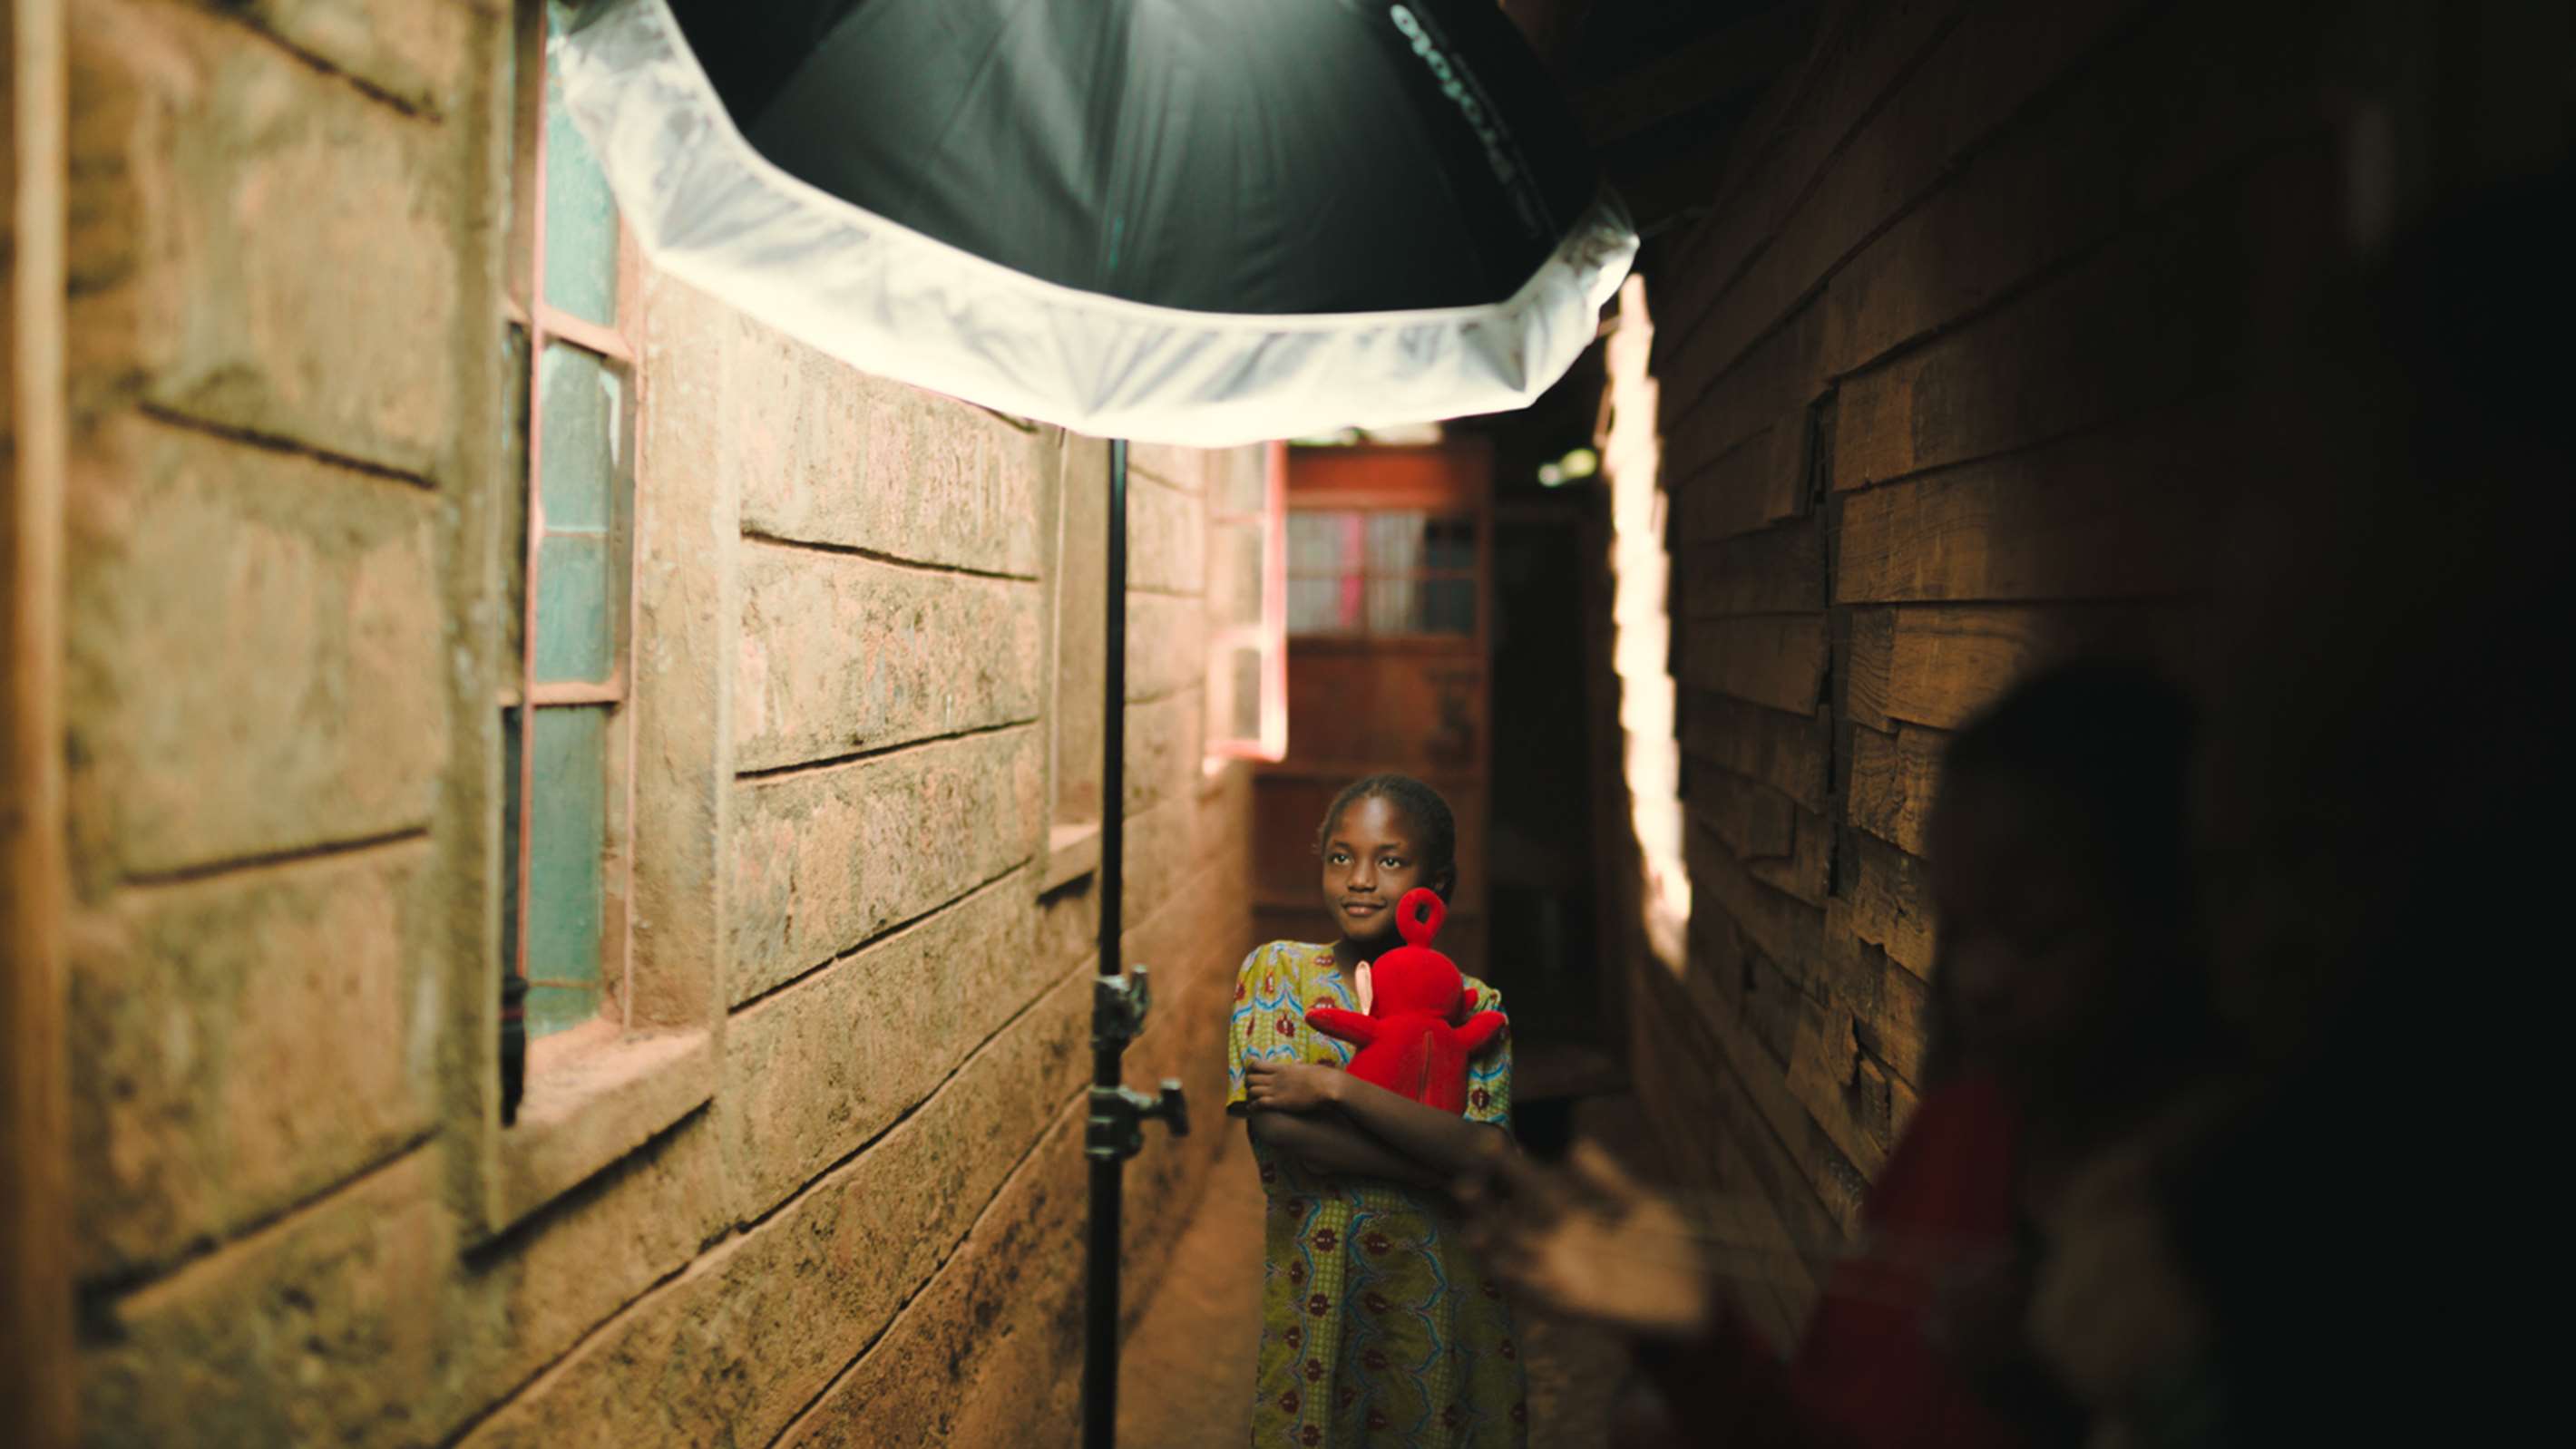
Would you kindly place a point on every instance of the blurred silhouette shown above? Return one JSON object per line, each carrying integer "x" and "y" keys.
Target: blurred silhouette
{"x": 2068, "y": 1006}
{"x": 2325, "y": 1261}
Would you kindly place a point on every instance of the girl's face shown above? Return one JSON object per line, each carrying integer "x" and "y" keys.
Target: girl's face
{"x": 2030, "y": 948}
{"x": 1371, "y": 858}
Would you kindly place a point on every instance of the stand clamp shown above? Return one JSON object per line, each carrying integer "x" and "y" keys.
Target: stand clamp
{"x": 1118, "y": 1005}
{"x": 1117, "y": 1128}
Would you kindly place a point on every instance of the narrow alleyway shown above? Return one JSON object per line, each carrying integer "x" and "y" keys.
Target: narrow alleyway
{"x": 1186, "y": 1377}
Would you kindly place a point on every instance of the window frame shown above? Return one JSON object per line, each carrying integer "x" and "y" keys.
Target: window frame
{"x": 543, "y": 324}
{"x": 547, "y": 1115}
{"x": 1364, "y": 507}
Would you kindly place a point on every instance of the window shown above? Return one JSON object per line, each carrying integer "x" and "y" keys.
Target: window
{"x": 1247, "y": 684}
{"x": 567, "y": 731}
{"x": 1381, "y": 572}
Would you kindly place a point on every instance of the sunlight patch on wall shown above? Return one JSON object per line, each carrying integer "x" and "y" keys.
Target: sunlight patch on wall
{"x": 1642, "y": 631}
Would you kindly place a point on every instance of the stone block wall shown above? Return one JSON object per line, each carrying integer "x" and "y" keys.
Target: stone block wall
{"x": 828, "y": 1189}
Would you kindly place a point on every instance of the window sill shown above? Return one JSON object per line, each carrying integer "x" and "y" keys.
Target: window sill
{"x": 591, "y": 1100}
{"x": 1073, "y": 851}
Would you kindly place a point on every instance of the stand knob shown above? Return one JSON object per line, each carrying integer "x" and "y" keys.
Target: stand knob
{"x": 1118, "y": 1114}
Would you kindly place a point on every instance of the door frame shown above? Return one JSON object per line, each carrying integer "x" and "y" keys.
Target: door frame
{"x": 38, "y": 1366}
{"x": 1455, "y": 477}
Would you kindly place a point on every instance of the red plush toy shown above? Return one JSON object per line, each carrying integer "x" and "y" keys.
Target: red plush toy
{"x": 1406, "y": 1041}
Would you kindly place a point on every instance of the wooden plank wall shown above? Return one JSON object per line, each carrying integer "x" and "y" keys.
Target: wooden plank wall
{"x": 1955, "y": 379}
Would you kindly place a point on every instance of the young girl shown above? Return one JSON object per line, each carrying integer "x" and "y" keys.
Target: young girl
{"x": 2067, "y": 1008}
{"x": 1377, "y": 1326}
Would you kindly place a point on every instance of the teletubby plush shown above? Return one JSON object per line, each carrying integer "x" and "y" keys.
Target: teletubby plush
{"x": 1407, "y": 1042}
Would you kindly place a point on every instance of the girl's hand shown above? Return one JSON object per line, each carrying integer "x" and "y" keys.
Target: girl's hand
{"x": 1291, "y": 1086}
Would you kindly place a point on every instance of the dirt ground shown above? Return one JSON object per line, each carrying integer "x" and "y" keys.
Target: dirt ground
{"x": 1186, "y": 1375}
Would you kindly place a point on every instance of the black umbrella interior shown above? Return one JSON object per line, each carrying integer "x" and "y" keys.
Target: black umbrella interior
{"x": 1339, "y": 211}
{"x": 1234, "y": 156}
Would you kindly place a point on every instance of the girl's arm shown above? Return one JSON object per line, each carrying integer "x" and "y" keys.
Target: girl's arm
{"x": 1443, "y": 1141}
{"x": 1328, "y": 1144}
{"x": 1443, "y": 1144}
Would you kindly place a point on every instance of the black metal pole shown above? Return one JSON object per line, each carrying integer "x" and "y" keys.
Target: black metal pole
{"x": 1100, "y": 1276}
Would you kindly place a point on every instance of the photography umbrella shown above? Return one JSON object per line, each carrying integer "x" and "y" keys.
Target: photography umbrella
{"x": 1206, "y": 222}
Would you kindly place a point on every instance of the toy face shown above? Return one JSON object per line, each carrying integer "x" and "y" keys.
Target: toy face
{"x": 1415, "y": 978}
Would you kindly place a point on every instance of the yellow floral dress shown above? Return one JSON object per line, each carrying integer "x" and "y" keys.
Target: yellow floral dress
{"x": 1377, "y": 1326}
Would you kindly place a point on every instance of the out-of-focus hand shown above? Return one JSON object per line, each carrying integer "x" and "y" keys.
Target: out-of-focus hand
{"x": 1290, "y": 1086}
{"x": 2112, "y": 1311}
{"x": 1980, "y": 1304}
{"x": 1590, "y": 1242}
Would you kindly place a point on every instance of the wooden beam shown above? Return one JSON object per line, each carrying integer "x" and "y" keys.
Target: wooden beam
{"x": 38, "y": 1370}
{"x": 1775, "y": 660}
{"x": 1893, "y": 782}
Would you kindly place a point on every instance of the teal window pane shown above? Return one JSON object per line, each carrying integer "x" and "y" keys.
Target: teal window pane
{"x": 567, "y": 843}
{"x": 1451, "y": 543}
{"x": 580, "y": 568}
{"x": 576, "y": 629}
{"x": 514, "y": 548}
{"x": 1319, "y": 544}
{"x": 1449, "y": 606}
{"x": 1244, "y": 699}
{"x": 510, "y": 758}
{"x": 1422, "y": 606}
{"x": 1315, "y": 606}
{"x": 584, "y": 402}
{"x": 1244, "y": 487}
{"x": 551, "y": 1009}
{"x": 1394, "y": 606}
{"x": 580, "y": 219}
{"x": 1237, "y": 576}
{"x": 1394, "y": 542}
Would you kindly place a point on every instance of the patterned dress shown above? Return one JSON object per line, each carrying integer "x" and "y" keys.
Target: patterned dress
{"x": 1377, "y": 1327}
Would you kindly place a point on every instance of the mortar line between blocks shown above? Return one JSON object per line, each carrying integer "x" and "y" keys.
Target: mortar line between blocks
{"x": 268, "y": 442}
{"x": 745, "y": 1227}
{"x": 323, "y": 64}
{"x": 878, "y": 555}
{"x": 740, "y": 1232}
{"x": 903, "y": 1310}
{"x": 801, "y": 767}
{"x": 767, "y": 994}
{"x": 146, "y": 1277}
{"x": 294, "y": 855}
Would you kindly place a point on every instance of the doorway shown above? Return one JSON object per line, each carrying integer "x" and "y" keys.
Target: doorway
{"x": 1389, "y": 570}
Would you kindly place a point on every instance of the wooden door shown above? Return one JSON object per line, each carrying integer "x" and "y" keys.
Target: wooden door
{"x": 1389, "y": 568}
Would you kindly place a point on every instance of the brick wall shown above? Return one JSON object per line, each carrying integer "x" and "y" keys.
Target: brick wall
{"x": 838, "y": 1184}
{"x": 1954, "y": 378}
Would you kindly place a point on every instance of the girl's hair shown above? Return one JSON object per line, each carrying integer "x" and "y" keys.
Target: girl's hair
{"x": 2109, "y": 745}
{"x": 1423, "y": 806}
